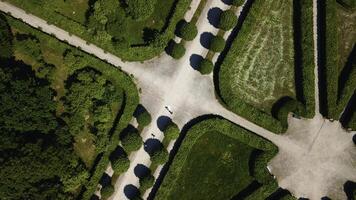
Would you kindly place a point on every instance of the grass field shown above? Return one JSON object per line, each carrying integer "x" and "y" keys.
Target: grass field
{"x": 259, "y": 67}
{"x": 213, "y": 163}
{"x": 213, "y": 172}
{"x": 135, "y": 43}
{"x": 84, "y": 144}
{"x": 340, "y": 38}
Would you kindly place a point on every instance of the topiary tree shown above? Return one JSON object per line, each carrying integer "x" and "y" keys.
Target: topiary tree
{"x": 107, "y": 191}
{"x": 171, "y": 132}
{"x": 146, "y": 182}
{"x": 120, "y": 165}
{"x": 131, "y": 141}
{"x": 144, "y": 118}
{"x": 160, "y": 157}
{"x": 228, "y": 20}
{"x": 217, "y": 44}
{"x": 188, "y": 31}
{"x": 140, "y": 10}
{"x": 237, "y": 2}
{"x": 206, "y": 66}
{"x": 177, "y": 50}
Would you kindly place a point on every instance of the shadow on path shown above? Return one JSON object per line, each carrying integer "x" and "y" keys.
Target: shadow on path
{"x": 214, "y": 16}
{"x": 195, "y": 61}
{"x": 131, "y": 191}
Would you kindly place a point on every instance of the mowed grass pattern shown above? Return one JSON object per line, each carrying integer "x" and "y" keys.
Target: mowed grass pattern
{"x": 259, "y": 69}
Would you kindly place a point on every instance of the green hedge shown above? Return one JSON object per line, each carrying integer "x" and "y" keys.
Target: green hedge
{"x": 220, "y": 125}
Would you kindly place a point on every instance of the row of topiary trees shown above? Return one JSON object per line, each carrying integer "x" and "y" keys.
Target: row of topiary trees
{"x": 130, "y": 141}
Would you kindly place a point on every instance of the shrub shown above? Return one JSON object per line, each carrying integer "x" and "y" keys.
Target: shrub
{"x": 146, "y": 182}
{"x": 177, "y": 50}
{"x": 188, "y": 31}
{"x": 131, "y": 141}
{"x": 107, "y": 191}
{"x": 228, "y": 20}
{"x": 144, "y": 118}
{"x": 217, "y": 44}
{"x": 237, "y": 2}
{"x": 160, "y": 157}
{"x": 171, "y": 132}
{"x": 140, "y": 10}
{"x": 120, "y": 165}
{"x": 206, "y": 66}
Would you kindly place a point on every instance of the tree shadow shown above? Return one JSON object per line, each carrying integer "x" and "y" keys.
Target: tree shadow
{"x": 350, "y": 188}
{"x": 131, "y": 191}
{"x": 214, "y": 16}
{"x": 105, "y": 180}
{"x": 195, "y": 61}
{"x": 129, "y": 129}
{"x": 141, "y": 171}
{"x": 163, "y": 121}
{"x": 152, "y": 145}
{"x": 117, "y": 153}
{"x": 205, "y": 39}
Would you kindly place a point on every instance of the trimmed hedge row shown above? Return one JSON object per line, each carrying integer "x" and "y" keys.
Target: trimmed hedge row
{"x": 220, "y": 125}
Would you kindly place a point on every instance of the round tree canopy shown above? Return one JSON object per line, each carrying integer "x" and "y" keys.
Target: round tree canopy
{"x": 120, "y": 165}
{"x": 131, "y": 141}
{"x": 206, "y": 66}
{"x": 160, "y": 157}
{"x": 188, "y": 31}
{"x": 144, "y": 118}
{"x": 146, "y": 182}
{"x": 217, "y": 44}
{"x": 171, "y": 132}
{"x": 228, "y": 20}
{"x": 177, "y": 51}
{"x": 107, "y": 191}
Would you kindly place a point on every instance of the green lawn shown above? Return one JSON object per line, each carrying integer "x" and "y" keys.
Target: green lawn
{"x": 213, "y": 163}
{"x": 258, "y": 70}
{"x": 216, "y": 168}
{"x": 340, "y": 38}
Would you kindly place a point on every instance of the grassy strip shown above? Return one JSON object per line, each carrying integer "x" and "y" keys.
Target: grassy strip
{"x": 118, "y": 78}
{"x": 133, "y": 53}
{"x": 219, "y": 125}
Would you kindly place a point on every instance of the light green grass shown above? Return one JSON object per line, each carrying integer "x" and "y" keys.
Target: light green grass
{"x": 259, "y": 69}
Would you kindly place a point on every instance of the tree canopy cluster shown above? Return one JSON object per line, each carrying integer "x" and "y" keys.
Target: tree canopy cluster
{"x": 39, "y": 159}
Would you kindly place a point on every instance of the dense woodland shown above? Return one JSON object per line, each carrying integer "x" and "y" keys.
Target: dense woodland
{"x": 42, "y": 151}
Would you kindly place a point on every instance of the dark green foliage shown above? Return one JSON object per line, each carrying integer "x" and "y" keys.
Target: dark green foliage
{"x": 287, "y": 105}
{"x": 140, "y": 9}
{"x": 37, "y": 162}
{"x": 5, "y": 38}
{"x": 259, "y": 169}
{"x": 107, "y": 191}
{"x": 146, "y": 182}
{"x": 121, "y": 164}
{"x": 228, "y": 20}
{"x": 89, "y": 93}
{"x": 188, "y": 31}
{"x": 177, "y": 51}
{"x": 237, "y": 2}
{"x": 144, "y": 119}
{"x": 26, "y": 102}
{"x": 206, "y": 66}
{"x": 29, "y": 46}
{"x": 131, "y": 141}
{"x": 217, "y": 44}
{"x": 160, "y": 157}
{"x": 171, "y": 132}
